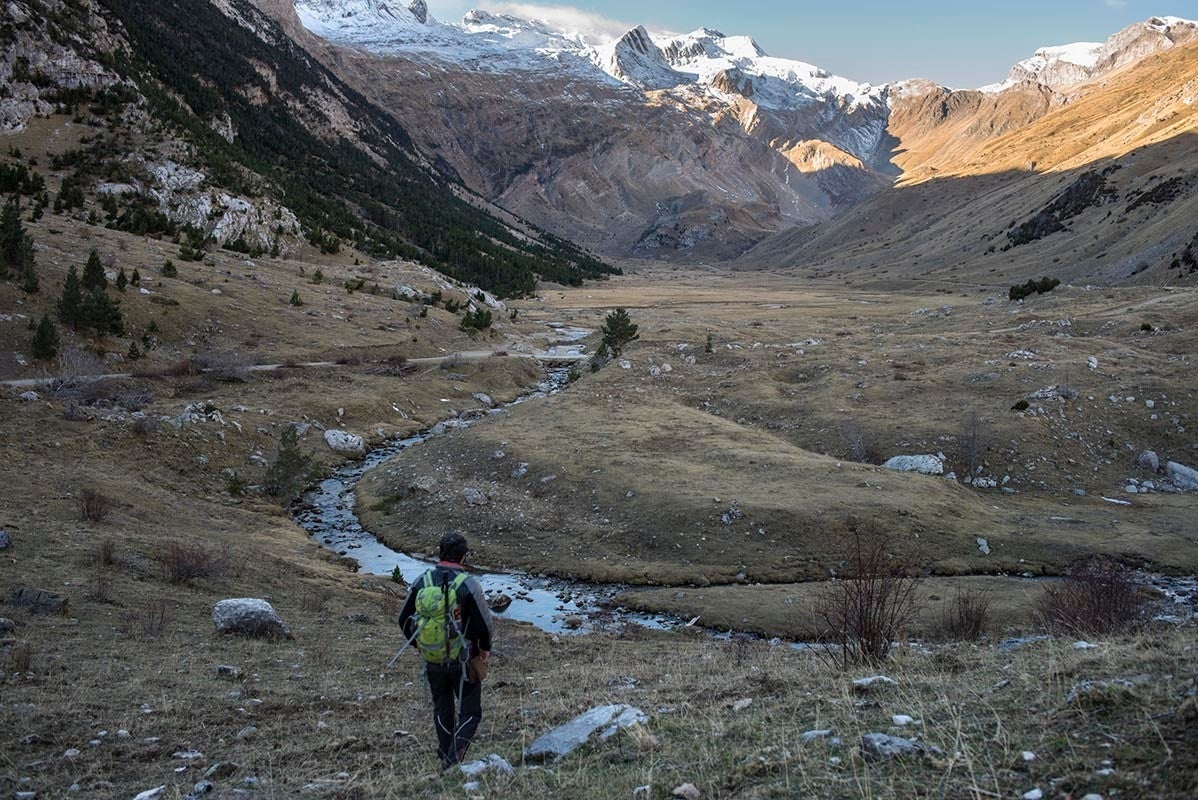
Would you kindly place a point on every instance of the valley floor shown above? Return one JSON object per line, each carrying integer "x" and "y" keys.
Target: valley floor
{"x": 318, "y": 715}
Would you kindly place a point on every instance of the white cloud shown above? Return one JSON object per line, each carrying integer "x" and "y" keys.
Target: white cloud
{"x": 596, "y": 28}
{"x": 1115, "y": 3}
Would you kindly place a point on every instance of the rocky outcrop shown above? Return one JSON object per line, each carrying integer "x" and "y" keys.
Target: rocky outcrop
{"x": 926, "y": 464}
{"x": 344, "y": 442}
{"x": 38, "y": 601}
{"x": 1183, "y": 477}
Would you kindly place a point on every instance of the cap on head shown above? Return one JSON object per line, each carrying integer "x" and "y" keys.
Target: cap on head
{"x": 453, "y": 547}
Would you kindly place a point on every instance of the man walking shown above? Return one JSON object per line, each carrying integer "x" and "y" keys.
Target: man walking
{"x": 447, "y": 618}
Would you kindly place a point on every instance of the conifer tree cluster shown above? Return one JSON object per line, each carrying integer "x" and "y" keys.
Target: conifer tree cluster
{"x": 84, "y": 305}
{"x": 16, "y": 248}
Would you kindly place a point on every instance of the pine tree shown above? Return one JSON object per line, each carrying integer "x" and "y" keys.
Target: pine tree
{"x": 45, "y": 339}
{"x": 70, "y": 305}
{"x": 12, "y": 236}
{"x": 135, "y": 279}
{"x": 27, "y": 278}
{"x": 93, "y": 273}
{"x": 618, "y": 330}
{"x": 169, "y": 270}
{"x": 102, "y": 315}
{"x": 295, "y": 299}
{"x": 121, "y": 280}
{"x": 291, "y": 469}
{"x": 134, "y": 352}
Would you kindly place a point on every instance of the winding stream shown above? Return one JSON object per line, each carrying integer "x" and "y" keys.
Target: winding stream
{"x": 558, "y": 606}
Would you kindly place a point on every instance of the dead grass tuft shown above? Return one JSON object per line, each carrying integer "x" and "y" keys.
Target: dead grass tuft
{"x": 966, "y": 617}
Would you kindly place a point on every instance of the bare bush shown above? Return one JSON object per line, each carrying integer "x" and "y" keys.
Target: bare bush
{"x": 76, "y": 365}
{"x": 857, "y": 445}
{"x": 182, "y": 368}
{"x": 1098, "y": 595}
{"x": 972, "y": 442}
{"x": 181, "y": 563}
{"x": 20, "y": 657}
{"x": 870, "y": 605}
{"x": 316, "y": 600}
{"x": 75, "y": 413}
{"x": 106, "y": 553}
{"x": 148, "y": 622}
{"x": 966, "y": 617}
{"x": 94, "y": 506}
{"x": 106, "y": 393}
{"x": 226, "y": 366}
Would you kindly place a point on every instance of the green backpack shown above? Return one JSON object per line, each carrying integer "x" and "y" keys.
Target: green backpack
{"x": 438, "y": 619}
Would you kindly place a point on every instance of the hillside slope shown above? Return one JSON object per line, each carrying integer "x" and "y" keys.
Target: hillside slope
{"x": 200, "y": 107}
{"x": 1102, "y": 190}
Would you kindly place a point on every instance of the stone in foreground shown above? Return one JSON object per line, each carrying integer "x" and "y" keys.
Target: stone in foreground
{"x": 494, "y": 763}
{"x": 247, "y": 616}
{"x": 602, "y": 721}
{"x": 882, "y": 746}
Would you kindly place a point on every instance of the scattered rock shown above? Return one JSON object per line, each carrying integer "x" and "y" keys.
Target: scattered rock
{"x": 822, "y": 733}
{"x": 521, "y": 470}
{"x": 38, "y": 601}
{"x": 228, "y": 671}
{"x": 742, "y": 704}
{"x": 983, "y": 546}
{"x": 29, "y": 397}
{"x": 498, "y": 602}
{"x": 247, "y": 616}
{"x": 1083, "y": 645}
{"x": 72, "y": 753}
{"x": 495, "y": 764}
{"x": 572, "y": 622}
{"x": 873, "y": 684}
{"x": 344, "y": 442}
{"x": 925, "y": 464}
{"x": 475, "y": 497}
{"x": 5, "y": 540}
{"x": 220, "y": 770}
{"x": 484, "y": 398}
{"x": 7, "y": 625}
{"x": 187, "y": 755}
{"x": 602, "y": 721}
{"x": 902, "y": 720}
{"x": 1028, "y": 755}
{"x": 1092, "y": 362}
{"x": 1033, "y": 794}
{"x": 247, "y": 733}
{"x": 199, "y": 790}
{"x": 687, "y": 791}
{"x": 1098, "y": 693}
{"x": 1149, "y": 460}
{"x": 880, "y": 746}
{"x": 152, "y": 794}
{"x": 1183, "y": 477}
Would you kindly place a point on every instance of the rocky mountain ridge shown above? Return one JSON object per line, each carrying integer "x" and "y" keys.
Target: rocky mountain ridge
{"x": 679, "y": 146}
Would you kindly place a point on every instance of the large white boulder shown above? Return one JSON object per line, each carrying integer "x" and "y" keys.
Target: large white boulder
{"x": 248, "y": 616}
{"x": 601, "y": 721}
{"x": 345, "y": 442}
{"x": 927, "y": 465}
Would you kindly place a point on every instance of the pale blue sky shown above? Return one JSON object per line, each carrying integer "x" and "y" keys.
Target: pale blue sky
{"x": 962, "y": 43}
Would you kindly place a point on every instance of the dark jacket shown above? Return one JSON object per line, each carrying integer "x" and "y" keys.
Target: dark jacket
{"x": 476, "y": 615}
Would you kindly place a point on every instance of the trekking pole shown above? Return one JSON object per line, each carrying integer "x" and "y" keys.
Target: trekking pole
{"x": 399, "y": 652}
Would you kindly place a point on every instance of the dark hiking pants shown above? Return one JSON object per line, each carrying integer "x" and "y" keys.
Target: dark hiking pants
{"x": 455, "y": 718}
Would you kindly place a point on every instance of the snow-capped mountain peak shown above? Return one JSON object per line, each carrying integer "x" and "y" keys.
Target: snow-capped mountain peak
{"x": 635, "y": 59}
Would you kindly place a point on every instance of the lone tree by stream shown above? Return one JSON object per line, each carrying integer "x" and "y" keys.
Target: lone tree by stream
{"x": 618, "y": 331}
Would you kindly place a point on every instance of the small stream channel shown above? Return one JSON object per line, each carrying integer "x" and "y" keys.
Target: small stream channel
{"x": 558, "y": 606}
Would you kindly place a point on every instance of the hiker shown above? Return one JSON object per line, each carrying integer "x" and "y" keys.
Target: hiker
{"x": 447, "y": 619}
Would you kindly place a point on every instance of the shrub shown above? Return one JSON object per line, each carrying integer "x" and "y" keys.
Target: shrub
{"x": 45, "y": 339}
{"x": 476, "y": 320}
{"x": 964, "y": 618}
{"x": 169, "y": 270}
{"x": 870, "y": 605}
{"x": 1021, "y": 405}
{"x": 291, "y": 470}
{"x": 181, "y": 563}
{"x": 94, "y": 506}
{"x": 144, "y": 426}
{"x": 1097, "y": 595}
{"x": 1042, "y": 286}
{"x": 106, "y": 553}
